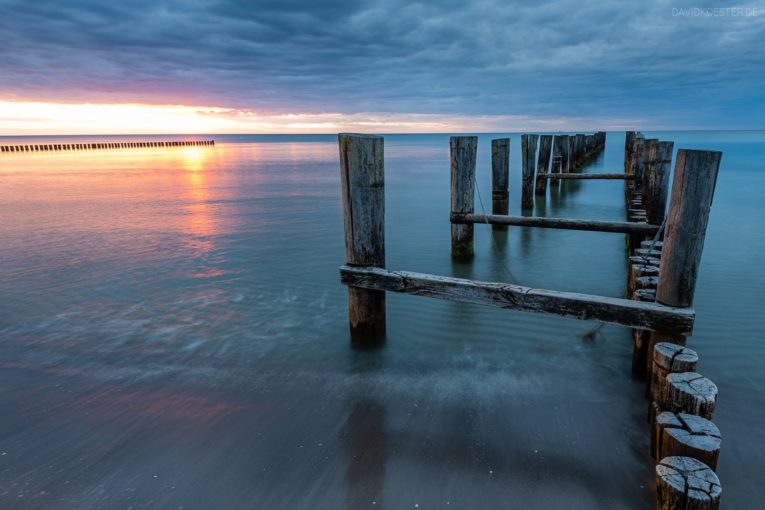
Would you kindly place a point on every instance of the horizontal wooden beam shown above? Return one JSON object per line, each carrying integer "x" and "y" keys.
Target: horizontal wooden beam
{"x": 634, "y": 314}
{"x": 587, "y": 176}
{"x": 622, "y": 227}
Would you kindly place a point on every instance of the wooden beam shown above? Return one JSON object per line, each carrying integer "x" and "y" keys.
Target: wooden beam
{"x": 622, "y": 227}
{"x": 585, "y": 176}
{"x": 635, "y": 314}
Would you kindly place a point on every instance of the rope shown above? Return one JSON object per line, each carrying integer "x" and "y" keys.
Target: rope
{"x": 508, "y": 273}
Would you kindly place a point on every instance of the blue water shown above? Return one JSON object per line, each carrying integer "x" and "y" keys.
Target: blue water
{"x": 173, "y": 333}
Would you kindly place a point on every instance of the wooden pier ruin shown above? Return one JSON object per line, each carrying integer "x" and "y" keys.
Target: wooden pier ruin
{"x": 664, "y": 247}
{"x": 103, "y": 145}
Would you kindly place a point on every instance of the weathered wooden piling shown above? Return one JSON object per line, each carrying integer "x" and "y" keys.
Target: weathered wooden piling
{"x": 500, "y": 171}
{"x": 689, "y": 392}
{"x": 543, "y": 164}
{"x": 579, "y": 156}
{"x": 463, "y": 151}
{"x": 683, "y": 483}
{"x": 362, "y": 175}
{"x": 629, "y": 156}
{"x": 529, "y": 160}
{"x": 692, "y": 192}
{"x": 686, "y": 435}
{"x": 667, "y": 358}
{"x": 630, "y": 149}
{"x": 557, "y": 150}
{"x": 565, "y": 157}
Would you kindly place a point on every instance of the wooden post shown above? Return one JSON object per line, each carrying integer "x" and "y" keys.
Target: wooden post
{"x": 579, "y": 153}
{"x": 362, "y": 175}
{"x": 565, "y": 159}
{"x": 500, "y": 170}
{"x": 656, "y": 180}
{"x": 687, "y": 484}
{"x": 692, "y": 191}
{"x": 543, "y": 164}
{"x": 529, "y": 157}
{"x": 556, "y": 155}
{"x": 638, "y": 162}
{"x": 667, "y": 359}
{"x": 685, "y": 434}
{"x": 463, "y": 150}
{"x": 629, "y": 156}
{"x": 689, "y": 392}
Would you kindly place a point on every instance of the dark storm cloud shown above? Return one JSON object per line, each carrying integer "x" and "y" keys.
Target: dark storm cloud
{"x": 558, "y": 58}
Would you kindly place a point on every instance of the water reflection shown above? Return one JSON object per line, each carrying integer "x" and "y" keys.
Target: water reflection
{"x": 199, "y": 218}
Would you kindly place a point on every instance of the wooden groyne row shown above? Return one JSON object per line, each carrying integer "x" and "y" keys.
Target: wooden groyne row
{"x": 557, "y": 157}
{"x": 543, "y": 157}
{"x": 664, "y": 258}
{"x": 685, "y": 443}
{"x": 102, "y": 145}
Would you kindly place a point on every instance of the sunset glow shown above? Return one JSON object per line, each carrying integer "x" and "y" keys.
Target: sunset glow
{"x": 49, "y": 118}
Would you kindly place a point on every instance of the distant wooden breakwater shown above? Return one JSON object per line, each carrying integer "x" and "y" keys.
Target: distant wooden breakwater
{"x": 664, "y": 247}
{"x": 102, "y": 145}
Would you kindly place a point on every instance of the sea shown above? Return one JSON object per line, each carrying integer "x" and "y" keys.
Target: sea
{"x": 174, "y": 334}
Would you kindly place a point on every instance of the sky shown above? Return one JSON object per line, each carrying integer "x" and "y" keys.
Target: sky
{"x": 287, "y": 66}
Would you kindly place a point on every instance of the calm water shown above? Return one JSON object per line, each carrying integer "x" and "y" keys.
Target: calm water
{"x": 174, "y": 335}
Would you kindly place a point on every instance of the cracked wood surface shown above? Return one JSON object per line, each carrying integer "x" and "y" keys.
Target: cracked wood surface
{"x": 687, "y": 484}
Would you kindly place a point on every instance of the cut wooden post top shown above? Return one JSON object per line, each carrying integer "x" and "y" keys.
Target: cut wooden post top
{"x": 690, "y": 392}
{"x": 693, "y": 382}
{"x": 688, "y": 435}
{"x": 647, "y": 252}
{"x": 675, "y": 358}
{"x": 652, "y": 245}
{"x": 362, "y": 177}
{"x": 689, "y": 423}
{"x": 645, "y": 261}
{"x": 683, "y": 482}
{"x": 645, "y": 270}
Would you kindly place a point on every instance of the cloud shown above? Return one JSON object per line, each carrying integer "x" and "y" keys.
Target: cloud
{"x": 491, "y": 58}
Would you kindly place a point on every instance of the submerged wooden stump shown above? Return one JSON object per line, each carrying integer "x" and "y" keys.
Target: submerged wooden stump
{"x": 646, "y": 261}
{"x": 668, "y": 359}
{"x": 687, "y": 435}
{"x": 647, "y": 252}
{"x": 683, "y": 483}
{"x": 689, "y": 392}
{"x": 655, "y": 245}
{"x": 646, "y": 282}
{"x": 644, "y": 295}
{"x": 636, "y": 273}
